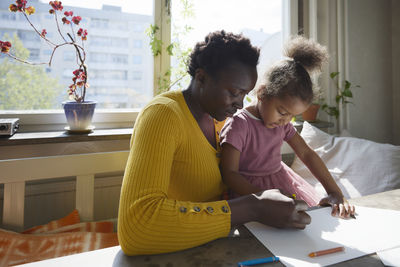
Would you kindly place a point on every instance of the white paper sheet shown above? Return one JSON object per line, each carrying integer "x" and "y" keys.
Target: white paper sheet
{"x": 390, "y": 257}
{"x": 373, "y": 230}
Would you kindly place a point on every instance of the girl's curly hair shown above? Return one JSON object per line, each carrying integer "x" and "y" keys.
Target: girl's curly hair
{"x": 292, "y": 76}
{"x": 219, "y": 49}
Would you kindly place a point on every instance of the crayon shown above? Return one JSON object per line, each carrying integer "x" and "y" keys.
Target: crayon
{"x": 325, "y": 252}
{"x": 258, "y": 261}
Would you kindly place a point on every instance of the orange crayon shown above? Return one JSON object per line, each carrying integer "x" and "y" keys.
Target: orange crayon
{"x": 326, "y": 251}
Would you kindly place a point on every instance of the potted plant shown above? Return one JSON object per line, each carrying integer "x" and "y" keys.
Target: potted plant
{"x": 78, "y": 111}
{"x": 312, "y": 112}
{"x": 343, "y": 95}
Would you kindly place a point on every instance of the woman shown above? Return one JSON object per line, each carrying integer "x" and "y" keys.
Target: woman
{"x": 170, "y": 196}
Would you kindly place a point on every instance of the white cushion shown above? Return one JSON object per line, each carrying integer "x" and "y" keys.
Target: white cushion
{"x": 360, "y": 167}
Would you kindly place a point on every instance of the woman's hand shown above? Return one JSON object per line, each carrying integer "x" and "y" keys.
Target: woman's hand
{"x": 340, "y": 206}
{"x": 269, "y": 207}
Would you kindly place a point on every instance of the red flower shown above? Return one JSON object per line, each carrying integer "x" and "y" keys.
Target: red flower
{"x": 76, "y": 72}
{"x": 51, "y": 11}
{"x": 56, "y": 5}
{"x": 44, "y": 32}
{"x": 21, "y": 4}
{"x": 83, "y": 33}
{"x": 65, "y": 20}
{"x": 30, "y": 10}
{"x": 76, "y": 19}
{"x": 68, "y": 13}
{"x": 5, "y": 46}
{"x": 13, "y": 8}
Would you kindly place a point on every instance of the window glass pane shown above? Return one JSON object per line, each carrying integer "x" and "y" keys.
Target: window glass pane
{"x": 261, "y": 21}
{"x": 119, "y": 59}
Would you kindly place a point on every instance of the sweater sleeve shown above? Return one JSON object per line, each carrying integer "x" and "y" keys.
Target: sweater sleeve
{"x": 149, "y": 221}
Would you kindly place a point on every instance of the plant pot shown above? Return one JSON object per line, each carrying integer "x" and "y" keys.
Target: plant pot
{"x": 311, "y": 113}
{"x": 79, "y": 115}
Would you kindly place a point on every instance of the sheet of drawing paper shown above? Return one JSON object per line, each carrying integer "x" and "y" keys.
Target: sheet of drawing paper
{"x": 390, "y": 257}
{"x": 373, "y": 230}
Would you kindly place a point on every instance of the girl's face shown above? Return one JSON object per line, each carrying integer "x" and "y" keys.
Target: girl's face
{"x": 222, "y": 96}
{"x": 276, "y": 111}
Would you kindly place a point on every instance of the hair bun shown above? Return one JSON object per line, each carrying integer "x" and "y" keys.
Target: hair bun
{"x": 310, "y": 54}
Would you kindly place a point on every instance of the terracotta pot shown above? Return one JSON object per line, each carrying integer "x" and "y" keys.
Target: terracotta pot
{"x": 311, "y": 113}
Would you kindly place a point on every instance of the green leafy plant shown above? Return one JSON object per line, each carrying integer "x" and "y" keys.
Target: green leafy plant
{"x": 343, "y": 96}
{"x": 176, "y": 75}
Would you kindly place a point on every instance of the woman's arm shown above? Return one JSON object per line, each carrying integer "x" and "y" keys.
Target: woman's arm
{"x": 269, "y": 207}
{"x": 150, "y": 220}
{"x": 318, "y": 168}
{"x": 229, "y": 164}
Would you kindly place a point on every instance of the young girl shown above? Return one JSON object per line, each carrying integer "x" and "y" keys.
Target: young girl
{"x": 251, "y": 140}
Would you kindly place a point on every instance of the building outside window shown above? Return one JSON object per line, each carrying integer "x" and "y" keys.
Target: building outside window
{"x": 34, "y": 54}
{"x": 136, "y": 75}
{"x": 137, "y": 59}
{"x": 99, "y": 23}
{"x": 68, "y": 55}
{"x": 137, "y": 43}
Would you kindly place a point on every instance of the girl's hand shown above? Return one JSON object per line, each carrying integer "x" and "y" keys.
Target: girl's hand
{"x": 340, "y": 206}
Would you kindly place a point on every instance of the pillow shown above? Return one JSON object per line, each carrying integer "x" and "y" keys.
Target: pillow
{"x": 360, "y": 167}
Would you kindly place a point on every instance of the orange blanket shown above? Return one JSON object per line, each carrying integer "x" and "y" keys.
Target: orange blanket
{"x": 58, "y": 238}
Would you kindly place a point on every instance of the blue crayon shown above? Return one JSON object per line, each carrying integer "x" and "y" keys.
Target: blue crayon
{"x": 257, "y": 261}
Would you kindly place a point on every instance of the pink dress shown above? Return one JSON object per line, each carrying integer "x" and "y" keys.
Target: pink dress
{"x": 260, "y": 155}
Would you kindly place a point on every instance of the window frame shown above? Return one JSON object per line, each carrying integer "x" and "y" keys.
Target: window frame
{"x": 52, "y": 120}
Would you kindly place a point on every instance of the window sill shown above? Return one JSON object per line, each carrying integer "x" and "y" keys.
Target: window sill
{"x": 34, "y": 138}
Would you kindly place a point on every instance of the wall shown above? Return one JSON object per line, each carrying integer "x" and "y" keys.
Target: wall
{"x": 369, "y": 64}
{"x": 396, "y": 70}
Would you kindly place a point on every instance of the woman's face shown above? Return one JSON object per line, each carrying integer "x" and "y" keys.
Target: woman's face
{"x": 223, "y": 95}
{"x": 276, "y": 111}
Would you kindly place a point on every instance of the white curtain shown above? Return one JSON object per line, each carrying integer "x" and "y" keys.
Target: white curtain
{"x": 324, "y": 21}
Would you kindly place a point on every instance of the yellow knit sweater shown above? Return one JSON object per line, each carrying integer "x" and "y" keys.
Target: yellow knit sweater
{"x": 170, "y": 196}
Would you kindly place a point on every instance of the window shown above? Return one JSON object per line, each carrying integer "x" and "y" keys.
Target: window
{"x": 8, "y": 16}
{"x": 137, "y": 75}
{"x": 99, "y": 23}
{"x": 118, "y": 46}
{"x": 261, "y": 23}
{"x": 28, "y": 36}
{"x": 119, "y": 59}
{"x": 107, "y": 48}
{"x": 34, "y": 54}
{"x": 137, "y": 43}
{"x": 137, "y": 59}
{"x": 98, "y": 57}
{"x": 109, "y": 75}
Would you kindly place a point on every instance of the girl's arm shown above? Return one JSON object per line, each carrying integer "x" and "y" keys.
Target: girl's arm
{"x": 229, "y": 165}
{"x": 318, "y": 168}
